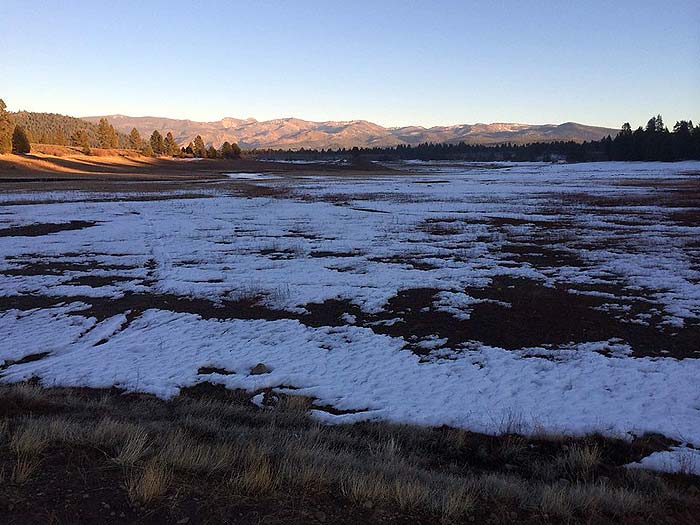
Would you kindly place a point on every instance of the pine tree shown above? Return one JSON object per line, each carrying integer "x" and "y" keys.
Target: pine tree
{"x": 6, "y": 129}
{"x": 171, "y": 147}
{"x": 157, "y": 143}
{"x": 80, "y": 139}
{"x": 114, "y": 137}
{"x": 58, "y": 137}
{"x": 135, "y": 140}
{"x": 212, "y": 153}
{"x": 226, "y": 151}
{"x": 660, "y": 128}
{"x": 199, "y": 149}
{"x": 236, "y": 151}
{"x": 190, "y": 149}
{"x": 20, "y": 141}
{"x": 147, "y": 150}
{"x": 230, "y": 151}
{"x": 106, "y": 135}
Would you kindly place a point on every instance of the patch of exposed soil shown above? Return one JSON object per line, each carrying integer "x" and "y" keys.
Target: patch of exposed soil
{"x": 36, "y": 230}
{"x": 540, "y": 256}
{"x": 95, "y": 281}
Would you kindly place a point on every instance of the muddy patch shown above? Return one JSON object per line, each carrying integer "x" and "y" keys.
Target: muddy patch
{"x": 36, "y": 230}
{"x": 96, "y": 281}
{"x": 208, "y": 370}
{"x": 26, "y": 359}
{"x": 538, "y": 255}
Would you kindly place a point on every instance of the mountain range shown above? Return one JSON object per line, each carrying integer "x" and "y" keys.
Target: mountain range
{"x": 294, "y": 133}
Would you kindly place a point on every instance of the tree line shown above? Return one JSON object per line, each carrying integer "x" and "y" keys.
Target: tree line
{"x": 19, "y": 130}
{"x": 651, "y": 142}
{"x": 13, "y": 137}
{"x": 159, "y": 145}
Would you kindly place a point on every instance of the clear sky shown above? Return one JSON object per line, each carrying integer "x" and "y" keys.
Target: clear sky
{"x": 391, "y": 62}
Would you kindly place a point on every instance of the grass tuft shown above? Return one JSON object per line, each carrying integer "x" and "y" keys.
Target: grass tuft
{"x": 148, "y": 484}
{"x": 134, "y": 447}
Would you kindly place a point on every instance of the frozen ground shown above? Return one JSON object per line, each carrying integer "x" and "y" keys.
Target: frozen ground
{"x": 499, "y": 297}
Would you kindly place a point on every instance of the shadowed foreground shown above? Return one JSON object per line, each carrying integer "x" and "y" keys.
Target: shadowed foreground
{"x": 209, "y": 455}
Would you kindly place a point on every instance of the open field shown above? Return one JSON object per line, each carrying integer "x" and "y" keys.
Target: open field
{"x": 516, "y": 299}
{"x": 48, "y": 163}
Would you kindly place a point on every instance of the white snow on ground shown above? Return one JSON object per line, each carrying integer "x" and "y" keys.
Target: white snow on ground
{"x": 364, "y": 240}
{"x": 24, "y": 333}
{"x": 682, "y": 459}
{"x": 483, "y": 389}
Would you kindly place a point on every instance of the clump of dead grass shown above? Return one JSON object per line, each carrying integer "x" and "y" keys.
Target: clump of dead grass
{"x": 25, "y": 466}
{"x": 134, "y": 447}
{"x": 579, "y": 461}
{"x": 182, "y": 453}
{"x": 148, "y": 484}
{"x": 257, "y": 476}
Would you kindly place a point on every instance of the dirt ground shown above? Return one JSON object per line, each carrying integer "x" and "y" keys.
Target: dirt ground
{"x": 66, "y": 167}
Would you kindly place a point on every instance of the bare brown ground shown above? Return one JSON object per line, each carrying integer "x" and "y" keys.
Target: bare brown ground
{"x": 62, "y": 164}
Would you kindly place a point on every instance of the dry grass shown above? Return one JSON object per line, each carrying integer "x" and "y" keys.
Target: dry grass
{"x": 226, "y": 448}
{"x": 24, "y": 468}
{"x": 257, "y": 477}
{"x": 149, "y": 484}
{"x": 30, "y": 439}
{"x": 361, "y": 488}
{"x": 456, "y": 503}
{"x": 134, "y": 447}
{"x": 182, "y": 453}
{"x": 410, "y": 494}
{"x": 579, "y": 461}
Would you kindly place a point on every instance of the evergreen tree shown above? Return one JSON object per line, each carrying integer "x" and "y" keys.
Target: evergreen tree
{"x": 660, "y": 128}
{"x": 212, "y": 153}
{"x": 135, "y": 140}
{"x": 81, "y": 139}
{"x": 199, "y": 149}
{"x": 651, "y": 125}
{"x": 114, "y": 136}
{"x": 171, "y": 147}
{"x": 106, "y": 135}
{"x": 230, "y": 151}
{"x": 190, "y": 149}
{"x": 236, "y": 151}
{"x": 226, "y": 151}
{"x": 147, "y": 150}
{"x": 6, "y": 129}
{"x": 58, "y": 137}
{"x": 157, "y": 143}
{"x": 20, "y": 141}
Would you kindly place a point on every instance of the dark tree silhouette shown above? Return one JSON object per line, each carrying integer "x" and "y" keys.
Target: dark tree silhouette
{"x": 6, "y": 129}
{"x": 157, "y": 143}
{"x": 20, "y": 141}
{"x": 199, "y": 149}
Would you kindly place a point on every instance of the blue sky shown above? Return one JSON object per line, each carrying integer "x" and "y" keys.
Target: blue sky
{"x": 394, "y": 63}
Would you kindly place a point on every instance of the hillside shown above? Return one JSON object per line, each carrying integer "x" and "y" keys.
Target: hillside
{"x": 294, "y": 133}
{"x": 52, "y": 128}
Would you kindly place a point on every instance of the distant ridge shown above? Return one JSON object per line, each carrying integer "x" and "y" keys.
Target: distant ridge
{"x": 294, "y": 133}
